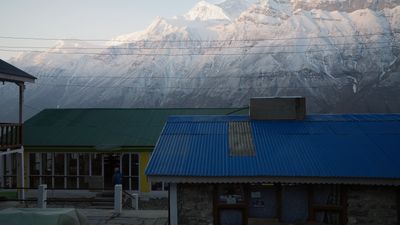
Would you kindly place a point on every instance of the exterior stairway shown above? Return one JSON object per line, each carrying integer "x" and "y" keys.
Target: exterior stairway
{"x": 103, "y": 200}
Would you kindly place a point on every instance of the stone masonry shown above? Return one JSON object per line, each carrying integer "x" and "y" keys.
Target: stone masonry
{"x": 372, "y": 206}
{"x": 195, "y": 204}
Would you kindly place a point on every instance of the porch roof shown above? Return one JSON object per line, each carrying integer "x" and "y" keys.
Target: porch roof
{"x": 11, "y": 73}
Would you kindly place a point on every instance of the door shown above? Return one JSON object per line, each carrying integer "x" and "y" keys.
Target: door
{"x": 111, "y": 161}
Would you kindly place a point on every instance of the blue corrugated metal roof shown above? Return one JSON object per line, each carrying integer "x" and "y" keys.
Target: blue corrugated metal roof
{"x": 354, "y": 146}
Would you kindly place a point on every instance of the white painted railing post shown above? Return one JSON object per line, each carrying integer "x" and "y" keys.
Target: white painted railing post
{"x": 136, "y": 201}
{"x": 42, "y": 196}
{"x": 118, "y": 198}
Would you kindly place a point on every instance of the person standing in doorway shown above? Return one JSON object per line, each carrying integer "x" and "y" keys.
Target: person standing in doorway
{"x": 117, "y": 177}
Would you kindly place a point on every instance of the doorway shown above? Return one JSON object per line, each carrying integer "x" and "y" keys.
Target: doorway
{"x": 111, "y": 161}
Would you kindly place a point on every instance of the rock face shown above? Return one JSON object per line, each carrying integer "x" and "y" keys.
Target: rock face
{"x": 341, "y": 55}
{"x": 345, "y": 5}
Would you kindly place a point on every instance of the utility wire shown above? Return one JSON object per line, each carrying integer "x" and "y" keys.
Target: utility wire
{"x": 191, "y": 41}
{"x": 246, "y": 76}
{"x": 195, "y": 54}
{"x": 190, "y": 88}
{"x": 26, "y": 48}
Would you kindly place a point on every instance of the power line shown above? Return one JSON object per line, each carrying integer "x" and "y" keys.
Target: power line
{"x": 247, "y": 76}
{"x": 194, "y": 54}
{"x": 26, "y": 48}
{"x": 191, "y": 41}
{"x": 189, "y": 88}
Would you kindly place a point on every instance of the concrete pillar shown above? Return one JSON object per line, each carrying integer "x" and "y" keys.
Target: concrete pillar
{"x": 42, "y": 196}
{"x": 173, "y": 205}
{"x": 118, "y": 198}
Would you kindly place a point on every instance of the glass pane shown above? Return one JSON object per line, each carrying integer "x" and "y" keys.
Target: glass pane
{"x": 156, "y": 186}
{"x": 125, "y": 164}
{"x": 33, "y": 182}
{"x": 231, "y": 217}
{"x": 330, "y": 218}
{"x": 46, "y": 163}
{"x": 84, "y": 164}
{"x": 294, "y": 204}
{"x": 263, "y": 202}
{"x": 14, "y": 164}
{"x": 135, "y": 165}
{"x": 71, "y": 182}
{"x": 58, "y": 182}
{"x": 34, "y": 164}
{"x": 96, "y": 164}
{"x": 230, "y": 194}
{"x": 47, "y": 180}
{"x": 72, "y": 161}
{"x": 83, "y": 182}
{"x": 59, "y": 163}
{"x": 327, "y": 195}
{"x": 125, "y": 183}
{"x": 135, "y": 183}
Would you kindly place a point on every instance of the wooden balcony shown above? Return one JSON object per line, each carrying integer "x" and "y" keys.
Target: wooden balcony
{"x": 10, "y": 136}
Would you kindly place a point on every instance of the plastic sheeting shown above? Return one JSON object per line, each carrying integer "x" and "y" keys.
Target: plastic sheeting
{"x": 35, "y": 216}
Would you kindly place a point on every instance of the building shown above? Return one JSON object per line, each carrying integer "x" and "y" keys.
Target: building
{"x": 11, "y": 137}
{"x": 78, "y": 149}
{"x": 280, "y": 168}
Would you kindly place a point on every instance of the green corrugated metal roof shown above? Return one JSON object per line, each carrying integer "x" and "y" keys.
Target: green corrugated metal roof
{"x": 105, "y": 128}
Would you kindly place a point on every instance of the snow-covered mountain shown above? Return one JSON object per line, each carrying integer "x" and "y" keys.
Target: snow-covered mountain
{"x": 341, "y": 54}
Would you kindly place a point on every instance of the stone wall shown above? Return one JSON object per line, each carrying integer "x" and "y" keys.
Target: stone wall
{"x": 372, "y": 206}
{"x": 195, "y": 204}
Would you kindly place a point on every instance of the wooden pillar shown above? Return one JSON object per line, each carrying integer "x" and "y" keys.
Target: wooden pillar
{"x": 398, "y": 205}
{"x": 311, "y": 213}
{"x": 343, "y": 204}
{"x": 279, "y": 202}
{"x": 21, "y": 106}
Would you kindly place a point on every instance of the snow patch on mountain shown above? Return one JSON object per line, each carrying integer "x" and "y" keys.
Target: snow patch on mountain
{"x": 206, "y": 11}
{"x": 219, "y": 55}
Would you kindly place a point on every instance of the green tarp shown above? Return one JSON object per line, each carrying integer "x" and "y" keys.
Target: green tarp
{"x": 35, "y": 216}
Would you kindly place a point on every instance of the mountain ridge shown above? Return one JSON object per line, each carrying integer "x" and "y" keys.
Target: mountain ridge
{"x": 342, "y": 61}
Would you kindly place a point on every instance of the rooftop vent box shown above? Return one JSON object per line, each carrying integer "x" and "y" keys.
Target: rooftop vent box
{"x": 278, "y": 108}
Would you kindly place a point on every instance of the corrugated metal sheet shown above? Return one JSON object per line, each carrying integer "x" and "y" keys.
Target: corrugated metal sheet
{"x": 105, "y": 128}
{"x": 352, "y": 146}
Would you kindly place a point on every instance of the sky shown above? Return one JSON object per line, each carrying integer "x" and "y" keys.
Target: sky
{"x": 85, "y": 19}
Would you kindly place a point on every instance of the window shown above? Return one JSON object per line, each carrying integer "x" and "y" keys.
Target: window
{"x": 328, "y": 204}
{"x": 159, "y": 186}
{"x": 294, "y": 204}
{"x": 263, "y": 201}
{"x": 130, "y": 171}
{"x": 47, "y": 170}
{"x": 34, "y": 170}
{"x": 96, "y": 161}
{"x": 59, "y": 164}
{"x": 230, "y": 194}
{"x": 59, "y": 170}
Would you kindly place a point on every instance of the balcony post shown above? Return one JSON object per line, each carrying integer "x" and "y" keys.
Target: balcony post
{"x": 21, "y": 106}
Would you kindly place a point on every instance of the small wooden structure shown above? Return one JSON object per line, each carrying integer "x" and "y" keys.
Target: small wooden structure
{"x": 11, "y": 137}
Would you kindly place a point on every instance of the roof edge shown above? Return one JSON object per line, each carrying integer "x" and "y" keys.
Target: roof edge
{"x": 16, "y": 78}
{"x": 288, "y": 180}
